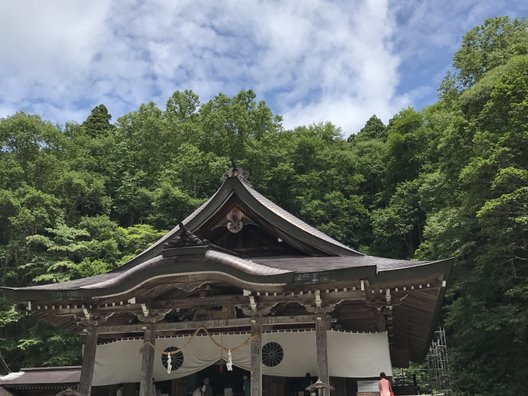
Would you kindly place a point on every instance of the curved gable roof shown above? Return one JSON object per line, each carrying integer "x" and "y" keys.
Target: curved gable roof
{"x": 272, "y": 213}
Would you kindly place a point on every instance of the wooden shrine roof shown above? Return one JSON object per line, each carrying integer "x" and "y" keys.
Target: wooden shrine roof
{"x": 279, "y": 260}
{"x": 266, "y": 274}
{"x": 43, "y": 375}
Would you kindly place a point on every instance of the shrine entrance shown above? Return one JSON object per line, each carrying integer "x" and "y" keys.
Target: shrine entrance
{"x": 229, "y": 383}
{"x": 222, "y": 381}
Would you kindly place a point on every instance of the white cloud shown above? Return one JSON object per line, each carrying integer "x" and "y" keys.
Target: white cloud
{"x": 356, "y": 69}
{"x": 311, "y": 60}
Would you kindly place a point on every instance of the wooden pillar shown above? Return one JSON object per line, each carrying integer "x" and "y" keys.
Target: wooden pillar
{"x": 87, "y": 369}
{"x": 322, "y": 353}
{"x": 147, "y": 361}
{"x": 256, "y": 357}
{"x": 380, "y": 319}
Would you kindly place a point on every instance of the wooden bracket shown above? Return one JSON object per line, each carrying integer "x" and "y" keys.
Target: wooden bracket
{"x": 152, "y": 316}
{"x": 91, "y": 320}
{"x": 254, "y": 308}
{"x": 319, "y": 307}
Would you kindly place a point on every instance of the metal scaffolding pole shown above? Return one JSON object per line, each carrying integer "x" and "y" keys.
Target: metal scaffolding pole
{"x": 438, "y": 364}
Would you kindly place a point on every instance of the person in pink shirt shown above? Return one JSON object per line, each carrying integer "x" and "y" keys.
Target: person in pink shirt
{"x": 384, "y": 386}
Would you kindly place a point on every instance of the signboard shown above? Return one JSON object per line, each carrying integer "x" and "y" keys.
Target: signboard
{"x": 367, "y": 385}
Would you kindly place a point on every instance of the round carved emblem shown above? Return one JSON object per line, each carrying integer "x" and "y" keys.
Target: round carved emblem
{"x": 176, "y": 358}
{"x": 272, "y": 354}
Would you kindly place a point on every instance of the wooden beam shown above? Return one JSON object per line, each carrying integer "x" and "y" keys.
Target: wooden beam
{"x": 322, "y": 353}
{"x": 87, "y": 369}
{"x": 256, "y": 357}
{"x": 147, "y": 361}
{"x": 208, "y": 324}
{"x": 262, "y": 300}
{"x": 330, "y": 297}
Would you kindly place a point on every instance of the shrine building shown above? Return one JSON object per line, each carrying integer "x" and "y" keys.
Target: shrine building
{"x": 242, "y": 287}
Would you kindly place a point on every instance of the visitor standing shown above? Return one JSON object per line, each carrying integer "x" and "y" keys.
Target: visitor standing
{"x": 384, "y": 386}
{"x": 207, "y": 390}
{"x": 306, "y": 383}
{"x": 246, "y": 385}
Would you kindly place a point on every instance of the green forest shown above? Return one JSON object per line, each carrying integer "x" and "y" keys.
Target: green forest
{"x": 450, "y": 180}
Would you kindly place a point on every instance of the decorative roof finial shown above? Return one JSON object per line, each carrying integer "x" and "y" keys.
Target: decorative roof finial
{"x": 236, "y": 171}
{"x": 234, "y": 168}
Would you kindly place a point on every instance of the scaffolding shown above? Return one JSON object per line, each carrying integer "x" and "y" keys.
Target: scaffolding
{"x": 438, "y": 364}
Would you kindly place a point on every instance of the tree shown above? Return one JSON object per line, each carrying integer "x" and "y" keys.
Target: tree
{"x": 230, "y": 124}
{"x": 181, "y": 106}
{"x": 25, "y": 138}
{"x": 489, "y": 45}
{"x": 98, "y": 122}
{"x": 374, "y": 129}
{"x": 406, "y": 140}
{"x": 484, "y": 223}
{"x": 397, "y": 228}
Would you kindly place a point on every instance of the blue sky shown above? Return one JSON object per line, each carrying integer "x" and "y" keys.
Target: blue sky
{"x": 310, "y": 60}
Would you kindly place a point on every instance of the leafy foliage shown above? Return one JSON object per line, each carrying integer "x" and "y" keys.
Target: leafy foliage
{"x": 490, "y": 45}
